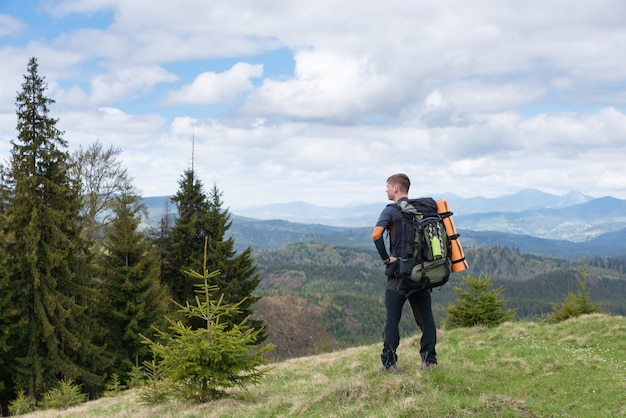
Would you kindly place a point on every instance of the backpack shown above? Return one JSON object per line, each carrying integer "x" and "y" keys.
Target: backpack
{"x": 425, "y": 253}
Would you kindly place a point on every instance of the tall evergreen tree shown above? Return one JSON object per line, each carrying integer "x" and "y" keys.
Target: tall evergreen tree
{"x": 5, "y": 305}
{"x": 185, "y": 241}
{"x": 200, "y": 216}
{"x": 135, "y": 297}
{"x": 44, "y": 255}
{"x": 238, "y": 278}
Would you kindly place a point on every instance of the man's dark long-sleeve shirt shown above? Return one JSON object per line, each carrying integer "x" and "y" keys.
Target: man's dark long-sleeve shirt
{"x": 390, "y": 219}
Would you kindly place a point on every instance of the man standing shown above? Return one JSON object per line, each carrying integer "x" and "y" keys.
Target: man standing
{"x": 397, "y": 292}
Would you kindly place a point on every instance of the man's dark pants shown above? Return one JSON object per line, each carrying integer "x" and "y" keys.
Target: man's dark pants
{"x": 422, "y": 311}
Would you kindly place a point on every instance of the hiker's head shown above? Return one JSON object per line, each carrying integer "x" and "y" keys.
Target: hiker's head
{"x": 398, "y": 186}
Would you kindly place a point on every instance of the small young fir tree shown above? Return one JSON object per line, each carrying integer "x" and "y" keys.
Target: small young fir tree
{"x": 203, "y": 362}
{"x": 477, "y": 304}
{"x": 574, "y": 305}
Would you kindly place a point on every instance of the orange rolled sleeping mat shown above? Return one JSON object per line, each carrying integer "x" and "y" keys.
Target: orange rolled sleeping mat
{"x": 457, "y": 256}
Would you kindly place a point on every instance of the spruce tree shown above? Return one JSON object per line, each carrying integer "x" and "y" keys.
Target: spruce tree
{"x": 5, "y": 306}
{"x": 238, "y": 278}
{"x": 44, "y": 256}
{"x": 477, "y": 304}
{"x": 574, "y": 305}
{"x": 135, "y": 299}
{"x": 185, "y": 239}
{"x": 200, "y": 217}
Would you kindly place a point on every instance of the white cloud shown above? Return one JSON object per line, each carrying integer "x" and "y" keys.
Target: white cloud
{"x": 325, "y": 85}
{"x": 65, "y": 7}
{"x": 9, "y": 25}
{"x": 161, "y": 31}
{"x": 111, "y": 126}
{"x": 486, "y": 97}
{"x": 216, "y": 88}
{"x": 10, "y": 80}
{"x": 120, "y": 84}
{"x": 114, "y": 86}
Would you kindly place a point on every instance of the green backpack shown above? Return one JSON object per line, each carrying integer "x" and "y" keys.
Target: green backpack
{"x": 425, "y": 254}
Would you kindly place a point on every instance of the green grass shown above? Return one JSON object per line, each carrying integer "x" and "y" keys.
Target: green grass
{"x": 521, "y": 369}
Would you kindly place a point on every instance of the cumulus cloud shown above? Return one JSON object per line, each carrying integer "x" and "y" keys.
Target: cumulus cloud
{"x": 488, "y": 97}
{"x": 325, "y": 85}
{"x": 216, "y": 88}
{"x": 65, "y": 7}
{"x": 119, "y": 84}
{"x": 9, "y": 25}
{"x": 114, "y": 86}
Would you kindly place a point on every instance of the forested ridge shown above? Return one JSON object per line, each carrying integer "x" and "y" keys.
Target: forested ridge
{"x": 275, "y": 234}
{"x": 324, "y": 296}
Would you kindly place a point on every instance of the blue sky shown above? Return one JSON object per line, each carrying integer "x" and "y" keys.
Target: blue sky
{"x": 321, "y": 101}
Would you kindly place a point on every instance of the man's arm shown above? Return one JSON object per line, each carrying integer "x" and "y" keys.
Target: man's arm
{"x": 385, "y": 222}
{"x": 379, "y": 242}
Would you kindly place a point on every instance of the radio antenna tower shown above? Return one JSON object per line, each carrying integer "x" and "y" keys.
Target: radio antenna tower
{"x": 193, "y": 147}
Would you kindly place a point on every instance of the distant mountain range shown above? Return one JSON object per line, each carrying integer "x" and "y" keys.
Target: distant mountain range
{"x": 577, "y": 223}
{"x": 568, "y": 226}
{"x": 366, "y": 214}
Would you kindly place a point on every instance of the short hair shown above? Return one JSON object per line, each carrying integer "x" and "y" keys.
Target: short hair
{"x": 401, "y": 180}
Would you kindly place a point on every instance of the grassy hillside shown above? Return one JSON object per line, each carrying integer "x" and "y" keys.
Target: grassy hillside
{"x": 521, "y": 369}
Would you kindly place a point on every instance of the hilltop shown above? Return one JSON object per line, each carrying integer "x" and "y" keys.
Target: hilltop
{"x": 519, "y": 369}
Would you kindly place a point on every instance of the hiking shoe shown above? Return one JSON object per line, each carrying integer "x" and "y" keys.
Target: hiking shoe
{"x": 393, "y": 368}
{"x": 428, "y": 366}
